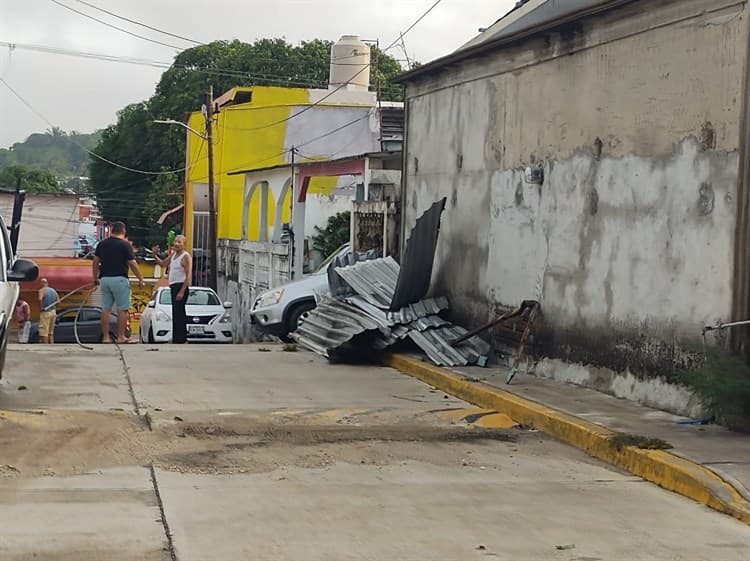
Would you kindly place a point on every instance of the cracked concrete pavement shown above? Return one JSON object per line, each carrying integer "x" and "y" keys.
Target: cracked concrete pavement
{"x": 223, "y": 453}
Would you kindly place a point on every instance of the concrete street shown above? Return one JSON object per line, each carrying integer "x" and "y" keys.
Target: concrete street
{"x": 210, "y": 453}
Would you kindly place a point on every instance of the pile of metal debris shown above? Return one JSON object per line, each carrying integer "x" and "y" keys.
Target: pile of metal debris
{"x": 374, "y": 303}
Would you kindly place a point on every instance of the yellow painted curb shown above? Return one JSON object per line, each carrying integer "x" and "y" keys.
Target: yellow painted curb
{"x": 657, "y": 466}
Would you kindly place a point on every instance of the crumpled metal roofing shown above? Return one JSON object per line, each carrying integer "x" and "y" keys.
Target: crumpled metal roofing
{"x": 337, "y": 286}
{"x": 430, "y": 306}
{"x": 373, "y": 280}
{"x": 375, "y": 303}
{"x": 331, "y": 325}
{"x": 436, "y": 343}
{"x": 419, "y": 257}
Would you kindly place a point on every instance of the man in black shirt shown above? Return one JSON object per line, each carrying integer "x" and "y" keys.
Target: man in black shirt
{"x": 112, "y": 258}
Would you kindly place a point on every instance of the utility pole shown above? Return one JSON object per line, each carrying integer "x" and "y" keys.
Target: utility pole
{"x": 293, "y": 273}
{"x": 15, "y": 225}
{"x": 211, "y": 201}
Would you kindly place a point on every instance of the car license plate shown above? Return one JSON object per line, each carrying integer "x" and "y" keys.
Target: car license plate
{"x": 195, "y": 329}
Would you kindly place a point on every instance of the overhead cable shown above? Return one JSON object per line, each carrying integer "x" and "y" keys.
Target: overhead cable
{"x": 94, "y": 154}
{"x": 412, "y": 26}
{"x": 111, "y": 25}
{"x": 114, "y": 15}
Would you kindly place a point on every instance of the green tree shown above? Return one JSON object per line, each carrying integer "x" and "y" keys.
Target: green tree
{"x": 32, "y": 180}
{"x": 334, "y": 235}
{"x": 61, "y": 153}
{"x": 136, "y": 142}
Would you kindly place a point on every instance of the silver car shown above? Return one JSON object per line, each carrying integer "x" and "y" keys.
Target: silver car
{"x": 279, "y": 310}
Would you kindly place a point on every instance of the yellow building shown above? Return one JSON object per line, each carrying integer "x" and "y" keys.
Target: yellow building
{"x": 267, "y": 129}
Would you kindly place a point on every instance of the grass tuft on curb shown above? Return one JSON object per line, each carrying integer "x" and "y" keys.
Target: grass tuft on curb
{"x": 622, "y": 440}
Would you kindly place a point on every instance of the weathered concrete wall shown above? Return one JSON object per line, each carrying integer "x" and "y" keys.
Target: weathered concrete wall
{"x": 628, "y": 244}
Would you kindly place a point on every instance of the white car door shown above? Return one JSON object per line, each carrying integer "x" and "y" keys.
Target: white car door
{"x": 8, "y": 290}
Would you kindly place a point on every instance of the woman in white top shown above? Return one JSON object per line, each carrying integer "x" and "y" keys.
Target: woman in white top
{"x": 180, "y": 272}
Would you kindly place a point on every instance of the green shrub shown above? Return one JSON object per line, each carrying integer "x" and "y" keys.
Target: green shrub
{"x": 722, "y": 382}
{"x": 334, "y": 235}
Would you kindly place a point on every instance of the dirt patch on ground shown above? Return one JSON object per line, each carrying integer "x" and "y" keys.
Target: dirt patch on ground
{"x": 65, "y": 443}
{"x": 305, "y": 435}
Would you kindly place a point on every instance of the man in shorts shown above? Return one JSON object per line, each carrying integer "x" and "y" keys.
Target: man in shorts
{"x": 112, "y": 258}
{"x": 47, "y": 305}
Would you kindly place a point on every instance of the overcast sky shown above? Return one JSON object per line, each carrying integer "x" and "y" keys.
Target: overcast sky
{"x": 84, "y": 95}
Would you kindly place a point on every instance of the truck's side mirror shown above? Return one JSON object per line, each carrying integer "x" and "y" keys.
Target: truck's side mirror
{"x": 23, "y": 270}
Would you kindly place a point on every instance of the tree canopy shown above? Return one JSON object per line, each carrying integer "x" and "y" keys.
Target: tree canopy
{"x": 56, "y": 151}
{"x": 136, "y": 142}
{"x": 32, "y": 180}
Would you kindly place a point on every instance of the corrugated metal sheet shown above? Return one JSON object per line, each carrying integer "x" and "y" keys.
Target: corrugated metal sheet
{"x": 338, "y": 287}
{"x": 419, "y": 256}
{"x": 334, "y": 324}
{"x": 430, "y": 306}
{"x": 377, "y": 303}
{"x": 331, "y": 325}
{"x": 429, "y": 322}
{"x": 436, "y": 343}
{"x": 374, "y": 280}
{"x": 378, "y": 314}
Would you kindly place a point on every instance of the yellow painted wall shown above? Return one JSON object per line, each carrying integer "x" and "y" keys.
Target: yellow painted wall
{"x": 246, "y": 136}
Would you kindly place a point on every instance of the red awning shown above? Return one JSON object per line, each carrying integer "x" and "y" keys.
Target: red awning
{"x": 169, "y": 213}
{"x": 62, "y": 278}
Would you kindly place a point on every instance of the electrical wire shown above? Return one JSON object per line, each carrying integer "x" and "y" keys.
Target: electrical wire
{"x": 94, "y": 154}
{"x": 334, "y": 131}
{"x": 271, "y": 78}
{"x": 111, "y": 25}
{"x": 268, "y": 125}
{"x": 188, "y": 39}
{"x": 412, "y": 26}
{"x": 307, "y": 107}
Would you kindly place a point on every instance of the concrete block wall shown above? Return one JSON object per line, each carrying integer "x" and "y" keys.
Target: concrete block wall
{"x": 634, "y": 117}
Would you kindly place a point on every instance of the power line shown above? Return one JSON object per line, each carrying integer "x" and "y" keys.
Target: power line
{"x": 123, "y": 30}
{"x": 94, "y": 154}
{"x": 307, "y": 107}
{"x": 271, "y": 78}
{"x": 260, "y": 77}
{"x": 138, "y": 23}
{"x": 412, "y": 26}
{"x": 365, "y": 67}
{"x": 329, "y": 133}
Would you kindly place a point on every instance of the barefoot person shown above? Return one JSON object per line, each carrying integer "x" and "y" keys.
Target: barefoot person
{"x": 180, "y": 272}
{"x": 47, "y": 312}
{"x": 112, "y": 258}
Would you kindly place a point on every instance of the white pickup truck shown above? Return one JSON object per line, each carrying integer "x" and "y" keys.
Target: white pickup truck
{"x": 12, "y": 272}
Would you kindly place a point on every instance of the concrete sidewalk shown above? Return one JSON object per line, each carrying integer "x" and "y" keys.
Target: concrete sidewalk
{"x": 706, "y": 462}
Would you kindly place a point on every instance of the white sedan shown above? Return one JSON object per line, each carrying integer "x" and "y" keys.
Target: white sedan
{"x": 208, "y": 320}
